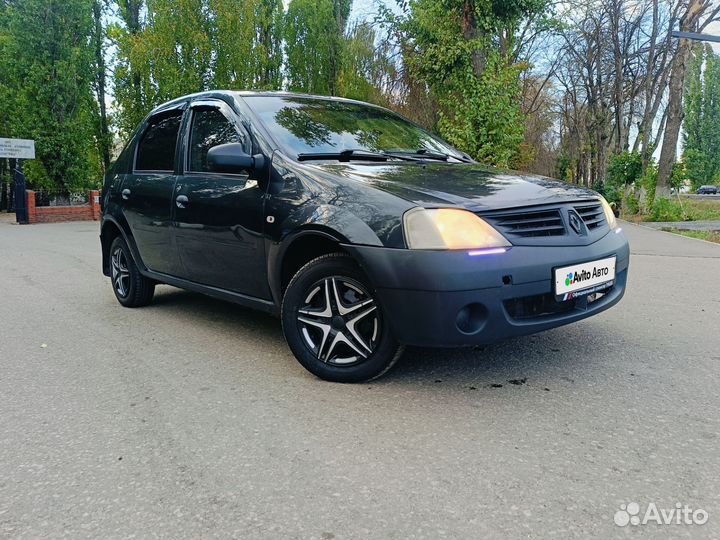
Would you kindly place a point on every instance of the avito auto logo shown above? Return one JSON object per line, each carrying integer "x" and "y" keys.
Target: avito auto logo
{"x": 578, "y": 277}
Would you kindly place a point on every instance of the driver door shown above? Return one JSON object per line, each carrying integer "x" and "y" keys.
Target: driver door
{"x": 218, "y": 217}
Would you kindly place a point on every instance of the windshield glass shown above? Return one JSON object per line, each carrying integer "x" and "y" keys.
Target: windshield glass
{"x": 319, "y": 126}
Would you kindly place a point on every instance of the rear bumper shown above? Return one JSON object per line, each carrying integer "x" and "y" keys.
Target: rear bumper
{"x": 451, "y": 299}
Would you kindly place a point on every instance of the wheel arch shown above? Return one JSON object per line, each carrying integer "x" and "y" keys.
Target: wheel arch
{"x": 109, "y": 230}
{"x": 297, "y": 250}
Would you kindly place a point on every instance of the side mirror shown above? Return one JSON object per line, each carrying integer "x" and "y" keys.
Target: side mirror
{"x": 231, "y": 158}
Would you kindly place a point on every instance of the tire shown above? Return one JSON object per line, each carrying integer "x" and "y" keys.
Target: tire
{"x": 334, "y": 323}
{"x": 131, "y": 288}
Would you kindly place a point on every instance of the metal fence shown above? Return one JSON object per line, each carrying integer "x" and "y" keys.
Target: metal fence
{"x": 46, "y": 197}
{"x": 7, "y": 196}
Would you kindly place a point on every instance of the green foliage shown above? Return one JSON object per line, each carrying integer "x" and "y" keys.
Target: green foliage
{"x": 187, "y": 46}
{"x": 462, "y": 51}
{"x": 313, "y": 45}
{"x": 247, "y": 42}
{"x": 702, "y": 118}
{"x": 365, "y": 66}
{"x": 565, "y": 167}
{"x": 624, "y": 169}
{"x": 483, "y": 116}
{"x": 668, "y": 210}
{"x": 632, "y": 204}
{"x": 649, "y": 182}
{"x": 45, "y": 81}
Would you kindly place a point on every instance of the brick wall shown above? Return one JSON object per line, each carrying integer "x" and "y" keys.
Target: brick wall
{"x": 55, "y": 214}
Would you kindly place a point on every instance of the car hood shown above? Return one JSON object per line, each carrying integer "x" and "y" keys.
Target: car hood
{"x": 470, "y": 186}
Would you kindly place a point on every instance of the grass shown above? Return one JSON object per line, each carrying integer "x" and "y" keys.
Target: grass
{"x": 683, "y": 210}
{"x": 709, "y": 236}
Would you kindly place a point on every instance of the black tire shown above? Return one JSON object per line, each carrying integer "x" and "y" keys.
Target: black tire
{"x": 348, "y": 343}
{"x": 131, "y": 288}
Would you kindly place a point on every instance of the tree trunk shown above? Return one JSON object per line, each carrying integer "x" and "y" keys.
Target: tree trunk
{"x": 668, "y": 153}
{"x": 471, "y": 32}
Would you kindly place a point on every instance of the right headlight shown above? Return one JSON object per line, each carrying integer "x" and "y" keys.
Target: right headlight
{"x": 609, "y": 214}
{"x": 449, "y": 228}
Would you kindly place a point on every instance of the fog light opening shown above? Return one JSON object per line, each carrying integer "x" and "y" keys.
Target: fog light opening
{"x": 472, "y": 318}
{"x": 507, "y": 280}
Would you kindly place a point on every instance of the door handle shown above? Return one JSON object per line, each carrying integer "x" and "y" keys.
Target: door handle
{"x": 181, "y": 201}
{"x": 125, "y": 194}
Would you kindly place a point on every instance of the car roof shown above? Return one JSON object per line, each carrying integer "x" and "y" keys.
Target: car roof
{"x": 175, "y": 103}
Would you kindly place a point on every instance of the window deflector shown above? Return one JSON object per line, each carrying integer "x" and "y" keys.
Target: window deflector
{"x": 224, "y": 109}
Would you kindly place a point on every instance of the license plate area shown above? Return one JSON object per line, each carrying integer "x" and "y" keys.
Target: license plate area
{"x": 582, "y": 279}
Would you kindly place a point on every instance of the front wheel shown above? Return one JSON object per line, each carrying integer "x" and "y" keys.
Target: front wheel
{"x": 335, "y": 325}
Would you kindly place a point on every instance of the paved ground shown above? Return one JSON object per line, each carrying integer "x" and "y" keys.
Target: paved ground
{"x": 190, "y": 418}
{"x": 684, "y": 225}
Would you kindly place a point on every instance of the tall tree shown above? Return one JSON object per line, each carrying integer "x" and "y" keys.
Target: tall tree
{"x": 132, "y": 82}
{"x": 366, "y": 71}
{"x": 690, "y": 22}
{"x": 49, "y": 75}
{"x": 99, "y": 81}
{"x": 701, "y": 128}
{"x": 313, "y": 35}
{"x": 247, "y": 38}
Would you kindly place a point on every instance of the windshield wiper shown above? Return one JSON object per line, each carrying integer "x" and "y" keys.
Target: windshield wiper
{"x": 345, "y": 155}
{"x": 423, "y": 154}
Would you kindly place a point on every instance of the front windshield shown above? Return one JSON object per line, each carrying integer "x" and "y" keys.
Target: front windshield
{"x": 306, "y": 126}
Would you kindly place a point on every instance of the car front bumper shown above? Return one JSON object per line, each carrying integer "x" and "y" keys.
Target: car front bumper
{"x": 452, "y": 299}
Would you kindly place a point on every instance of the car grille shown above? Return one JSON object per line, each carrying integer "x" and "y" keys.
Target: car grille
{"x": 592, "y": 215}
{"x": 529, "y": 224}
{"x": 545, "y": 222}
{"x": 544, "y": 305}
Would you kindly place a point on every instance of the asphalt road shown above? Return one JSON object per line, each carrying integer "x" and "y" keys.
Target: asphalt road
{"x": 191, "y": 419}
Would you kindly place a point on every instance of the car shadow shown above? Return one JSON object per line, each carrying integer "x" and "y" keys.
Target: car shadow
{"x": 221, "y": 314}
{"x": 558, "y": 356}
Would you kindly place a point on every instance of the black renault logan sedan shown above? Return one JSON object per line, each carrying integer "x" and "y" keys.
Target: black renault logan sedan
{"x": 363, "y": 231}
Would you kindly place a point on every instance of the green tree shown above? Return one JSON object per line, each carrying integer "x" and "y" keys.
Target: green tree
{"x": 313, "y": 34}
{"x": 247, "y": 38}
{"x": 365, "y": 67}
{"x": 465, "y": 51}
{"x": 167, "y": 55}
{"x": 186, "y": 46}
{"x": 134, "y": 92}
{"x": 701, "y": 127}
{"x": 99, "y": 82}
{"x": 47, "y": 69}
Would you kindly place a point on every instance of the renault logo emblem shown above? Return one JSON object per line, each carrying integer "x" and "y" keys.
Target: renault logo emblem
{"x": 576, "y": 223}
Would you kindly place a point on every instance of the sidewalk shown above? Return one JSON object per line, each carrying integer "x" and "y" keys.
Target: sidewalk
{"x": 684, "y": 225}
{"x": 7, "y": 217}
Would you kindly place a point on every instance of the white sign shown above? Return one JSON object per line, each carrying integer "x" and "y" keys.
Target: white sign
{"x": 17, "y": 148}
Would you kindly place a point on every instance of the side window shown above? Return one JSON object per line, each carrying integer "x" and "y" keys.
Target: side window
{"x": 156, "y": 150}
{"x": 209, "y": 128}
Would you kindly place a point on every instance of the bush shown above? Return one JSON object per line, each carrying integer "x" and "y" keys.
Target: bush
{"x": 649, "y": 182}
{"x": 632, "y": 204}
{"x": 668, "y": 210}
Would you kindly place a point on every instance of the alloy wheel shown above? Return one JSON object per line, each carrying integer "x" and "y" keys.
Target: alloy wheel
{"x": 120, "y": 272}
{"x": 339, "y": 321}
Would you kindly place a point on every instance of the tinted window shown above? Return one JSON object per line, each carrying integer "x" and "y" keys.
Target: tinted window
{"x": 156, "y": 151}
{"x": 209, "y": 128}
{"x": 308, "y": 125}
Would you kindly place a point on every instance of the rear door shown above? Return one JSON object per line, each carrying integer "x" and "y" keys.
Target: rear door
{"x": 219, "y": 217}
{"x": 147, "y": 193}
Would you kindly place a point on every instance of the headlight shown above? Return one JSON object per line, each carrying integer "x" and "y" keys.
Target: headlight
{"x": 448, "y": 228}
{"x": 609, "y": 214}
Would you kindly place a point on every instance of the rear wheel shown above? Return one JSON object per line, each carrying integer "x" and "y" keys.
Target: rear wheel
{"x": 334, "y": 324}
{"x": 131, "y": 288}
